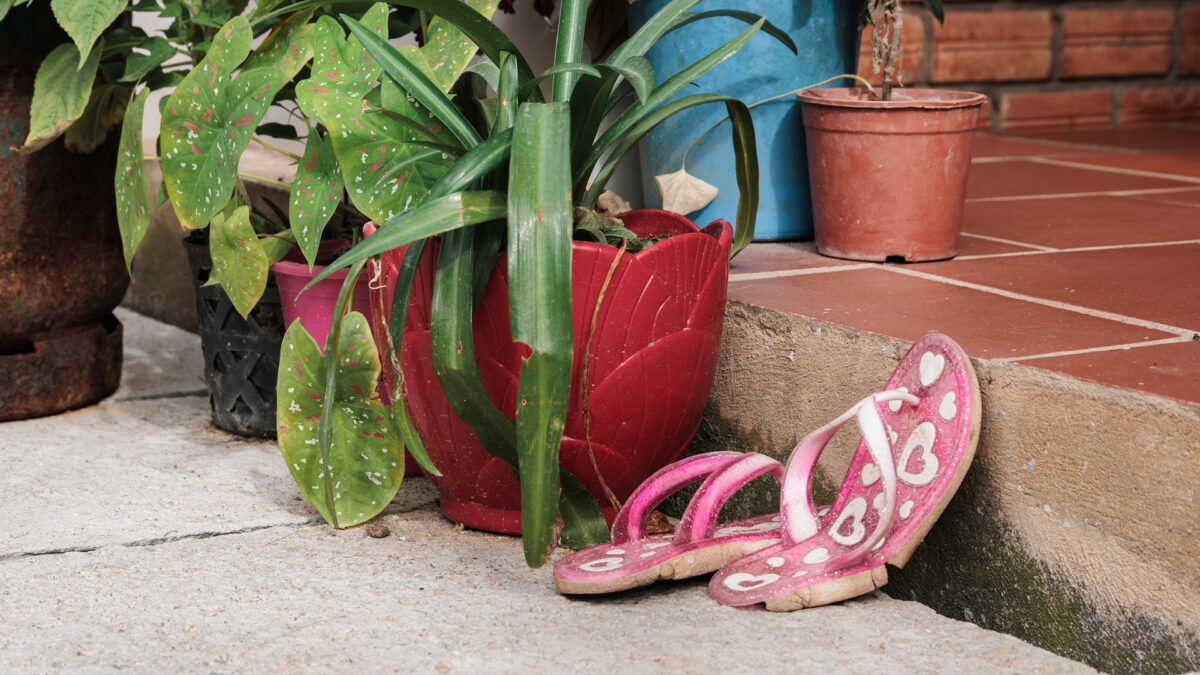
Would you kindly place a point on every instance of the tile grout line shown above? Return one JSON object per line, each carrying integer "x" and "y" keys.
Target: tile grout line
{"x": 1112, "y": 169}
{"x": 1080, "y": 249}
{"x": 778, "y": 274}
{"x": 1050, "y": 142}
{"x": 1078, "y": 309}
{"x": 1011, "y": 242}
{"x": 1094, "y": 350}
{"x": 1076, "y": 195}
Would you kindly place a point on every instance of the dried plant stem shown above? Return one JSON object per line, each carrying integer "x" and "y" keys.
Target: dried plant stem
{"x": 583, "y": 378}
{"x": 887, "y": 23}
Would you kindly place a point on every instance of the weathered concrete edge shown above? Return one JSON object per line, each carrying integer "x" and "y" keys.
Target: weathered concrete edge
{"x": 1054, "y": 536}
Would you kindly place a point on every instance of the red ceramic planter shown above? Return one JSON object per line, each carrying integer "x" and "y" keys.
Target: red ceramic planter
{"x": 651, "y": 366}
{"x": 889, "y": 178}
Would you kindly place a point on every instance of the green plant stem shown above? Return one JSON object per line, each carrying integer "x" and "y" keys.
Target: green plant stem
{"x": 865, "y": 83}
{"x": 264, "y": 179}
{"x": 276, "y": 148}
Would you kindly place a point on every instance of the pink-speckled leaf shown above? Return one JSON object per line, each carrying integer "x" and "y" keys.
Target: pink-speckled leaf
{"x": 209, "y": 119}
{"x": 446, "y": 50}
{"x": 385, "y": 174}
{"x": 129, "y": 181}
{"x": 287, "y": 48}
{"x": 366, "y": 458}
{"x": 315, "y": 194}
{"x": 240, "y": 263}
{"x": 341, "y": 65}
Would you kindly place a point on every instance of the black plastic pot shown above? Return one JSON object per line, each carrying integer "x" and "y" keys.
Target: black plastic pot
{"x": 241, "y": 356}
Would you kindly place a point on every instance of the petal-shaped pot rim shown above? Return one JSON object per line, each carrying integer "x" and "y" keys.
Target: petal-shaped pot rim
{"x": 649, "y": 222}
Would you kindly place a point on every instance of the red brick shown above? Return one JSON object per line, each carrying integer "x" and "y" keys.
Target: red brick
{"x": 1160, "y": 104}
{"x": 1089, "y": 109}
{"x": 992, "y": 46}
{"x": 912, "y": 44}
{"x": 1116, "y": 42}
{"x": 1189, "y": 50}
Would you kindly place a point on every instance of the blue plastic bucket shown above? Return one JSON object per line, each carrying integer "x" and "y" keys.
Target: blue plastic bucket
{"x": 826, "y": 35}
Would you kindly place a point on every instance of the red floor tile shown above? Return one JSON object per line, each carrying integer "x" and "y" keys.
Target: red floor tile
{"x": 1167, "y": 138}
{"x": 886, "y": 302}
{"x": 1167, "y": 370}
{"x": 1158, "y": 283}
{"x": 989, "y": 145}
{"x": 1019, "y": 178}
{"x": 1176, "y": 163}
{"x": 774, "y": 257}
{"x": 972, "y": 246}
{"x": 1083, "y": 221}
{"x": 1184, "y": 198}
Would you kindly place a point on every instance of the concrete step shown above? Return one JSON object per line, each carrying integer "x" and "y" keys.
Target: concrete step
{"x": 135, "y": 536}
{"x": 1076, "y": 527}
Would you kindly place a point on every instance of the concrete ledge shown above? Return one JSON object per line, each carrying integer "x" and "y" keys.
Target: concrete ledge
{"x": 1076, "y": 528}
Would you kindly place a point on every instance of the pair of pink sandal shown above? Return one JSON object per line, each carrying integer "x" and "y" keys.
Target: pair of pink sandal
{"x": 918, "y": 439}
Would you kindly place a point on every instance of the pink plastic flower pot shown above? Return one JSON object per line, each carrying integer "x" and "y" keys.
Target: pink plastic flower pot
{"x": 651, "y": 366}
{"x": 314, "y": 307}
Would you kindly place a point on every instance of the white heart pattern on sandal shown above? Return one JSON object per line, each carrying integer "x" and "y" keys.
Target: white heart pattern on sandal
{"x": 931, "y": 367}
{"x": 921, "y": 437}
{"x": 743, "y": 581}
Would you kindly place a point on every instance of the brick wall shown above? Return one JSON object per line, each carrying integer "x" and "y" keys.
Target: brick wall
{"x": 1059, "y": 64}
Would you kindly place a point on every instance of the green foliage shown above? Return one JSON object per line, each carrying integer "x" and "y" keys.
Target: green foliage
{"x": 315, "y": 194}
{"x": 239, "y": 261}
{"x": 85, "y": 20}
{"x": 129, "y": 180}
{"x": 60, "y": 94}
{"x": 364, "y": 465}
{"x": 105, "y": 109}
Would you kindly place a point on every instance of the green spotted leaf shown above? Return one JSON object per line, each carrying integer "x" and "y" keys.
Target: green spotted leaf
{"x": 60, "y": 94}
{"x": 447, "y": 51}
{"x": 287, "y": 48}
{"x": 315, "y": 194}
{"x": 340, "y": 64}
{"x": 129, "y": 182}
{"x": 366, "y": 458}
{"x": 209, "y": 119}
{"x": 384, "y": 173}
{"x": 239, "y": 261}
{"x": 85, "y": 20}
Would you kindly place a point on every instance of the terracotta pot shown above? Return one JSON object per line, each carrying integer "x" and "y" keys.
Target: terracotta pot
{"x": 61, "y": 268}
{"x": 889, "y": 178}
{"x": 651, "y": 366}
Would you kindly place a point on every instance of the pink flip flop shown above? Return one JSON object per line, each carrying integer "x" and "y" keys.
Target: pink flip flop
{"x": 919, "y": 438}
{"x": 699, "y": 545}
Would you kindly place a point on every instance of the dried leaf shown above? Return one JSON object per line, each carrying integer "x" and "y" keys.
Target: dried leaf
{"x": 683, "y": 193}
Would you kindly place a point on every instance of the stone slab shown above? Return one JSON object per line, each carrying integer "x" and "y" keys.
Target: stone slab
{"x": 433, "y": 598}
{"x": 159, "y": 359}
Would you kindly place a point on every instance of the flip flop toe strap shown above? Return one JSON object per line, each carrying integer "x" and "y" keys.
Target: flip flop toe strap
{"x": 798, "y": 519}
{"x": 629, "y": 523}
{"x": 699, "y": 521}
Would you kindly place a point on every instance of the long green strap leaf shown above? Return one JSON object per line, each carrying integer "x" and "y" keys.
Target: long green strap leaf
{"x": 477, "y": 162}
{"x": 404, "y": 283}
{"x": 539, "y": 276}
{"x": 433, "y": 217}
{"x": 325, "y": 426}
{"x": 454, "y": 348}
{"x": 748, "y": 17}
{"x": 655, "y": 27}
{"x": 568, "y": 47}
{"x": 660, "y": 95}
{"x": 415, "y": 82}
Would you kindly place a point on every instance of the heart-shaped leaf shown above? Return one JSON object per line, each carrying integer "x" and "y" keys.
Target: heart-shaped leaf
{"x": 384, "y": 173}
{"x": 366, "y": 458}
{"x": 85, "y": 20}
{"x": 133, "y": 198}
{"x": 447, "y": 50}
{"x": 239, "y": 261}
{"x": 60, "y": 94}
{"x": 209, "y": 119}
{"x": 315, "y": 194}
{"x": 340, "y": 64}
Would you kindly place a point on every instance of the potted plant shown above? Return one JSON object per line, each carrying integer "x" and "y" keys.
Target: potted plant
{"x": 60, "y": 270}
{"x": 889, "y": 173}
{"x": 515, "y": 318}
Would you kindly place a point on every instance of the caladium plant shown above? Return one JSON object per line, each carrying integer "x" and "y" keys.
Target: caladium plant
{"x": 512, "y": 175}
